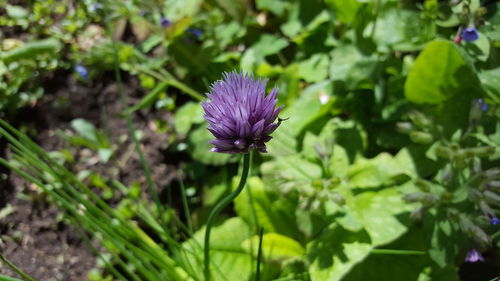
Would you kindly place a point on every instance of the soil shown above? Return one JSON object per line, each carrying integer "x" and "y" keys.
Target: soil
{"x": 33, "y": 236}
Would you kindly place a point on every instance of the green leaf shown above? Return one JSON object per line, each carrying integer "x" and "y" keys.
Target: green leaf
{"x": 490, "y": 81}
{"x": 32, "y": 50}
{"x": 293, "y": 168}
{"x": 443, "y": 231}
{"x": 335, "y": 252}
{"x": 199, "y": 141}
{"x": 344, "y": 10}
{"x": 350, "y": 65}
{"x": 16, "y": 12}
{"x": 229, "y": 260}
{"x": 261, "y": 207}
{"x": 189, "y": 114}
{"x": 275, "y": 247}
{"x": 378, "y": 171}
{"x": 276, "y": 7}
{"x": 269, "y": 44}
{"x": 479, "y": 49}
{"x": 85, "y": 129}
{"x": 370, "y": 210}
{"x": 314, "y": 69}
{"x": 237, "y": 9}
{"x": 401, "y": 29}
{"x": 438, "y": 74}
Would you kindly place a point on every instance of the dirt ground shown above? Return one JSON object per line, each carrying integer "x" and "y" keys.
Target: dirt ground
{"x": 33, "y": 236}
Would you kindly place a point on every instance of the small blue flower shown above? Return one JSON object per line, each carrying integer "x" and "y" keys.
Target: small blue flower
{"x": 164, "y": 22}
{"x": 474, "y": 256}
{"x": 494, "y": 220}
{"x": 82, "y": 71}
{"x": 484, "y": 105}
{"x": 470, "y": 34}
{"x": 195, "y": 31}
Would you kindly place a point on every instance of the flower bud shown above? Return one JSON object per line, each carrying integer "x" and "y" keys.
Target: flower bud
{"x": 418, "y": 213}
{"x": 421, "y": 137}
{"x": 493, "y": 173}
{"x": 404, "y": 127}
{"x": 492, "y": 197}
{"x": 483, "y": 151}
{"x": 443, "y": 152}
{"x": 420, "y": 120}
{"x": 495, "y": 185}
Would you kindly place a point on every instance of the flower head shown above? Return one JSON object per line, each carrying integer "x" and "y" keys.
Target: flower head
{"x": 474, "y": 256}
{"x": 239, "y": 113}
{"x": 470, "y": 34}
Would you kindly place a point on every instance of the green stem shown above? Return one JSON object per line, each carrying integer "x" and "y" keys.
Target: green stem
{"x": 259, "y": 255}
{"x": 15, "y": 268}
{"x": 223, "y": 203}
{"x": 396, "y": 252}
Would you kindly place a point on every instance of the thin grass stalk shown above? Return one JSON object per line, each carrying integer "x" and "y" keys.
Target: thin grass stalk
{"x": 89, "y": 206}
{"x": 8, "y": 278}
{"x": 185, "y": 206}
{"x": 130, "y": 125}
{"x": 69, "y": 207}
{"x": 98, "y": 254}
{"x": 155, "y": 258}
{"x": 15, "y": 268}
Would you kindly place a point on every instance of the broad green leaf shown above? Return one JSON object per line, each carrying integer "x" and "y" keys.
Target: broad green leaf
{"x": 378, "y": 171}
{"x": 490, "y": 81}
{"x": 293, "y": 168}
{"x": 276, "y": 7}
{"x": 275, "y": 247}
{"x": 335, "y": 252}
{"x": 237, "y": 9}
{"x": 16, "y": 12}
{"x": 443, "y": 231}
{"x": 480, "y": 48}
{"x": 344, "y": 10}
{"x": 391, "y": 267}
{"x": 438, "y": 74}
{"x": 314, "y": 69}
{"x": 229, "y": 259}
{"x": 401, "y": 29}
{"x": 300, "y": 114}
{"x": 189, "y": 114}
{"x": 350, "y": 65}
{"x": 175, "y": 10}
{"x": 377, "y": 211}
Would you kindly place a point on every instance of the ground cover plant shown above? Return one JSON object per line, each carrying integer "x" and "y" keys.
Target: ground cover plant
{"x": 250, "y": 140}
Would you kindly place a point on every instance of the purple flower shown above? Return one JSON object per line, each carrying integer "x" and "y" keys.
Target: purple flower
{"x": 164, "y": 22}
{"x": 195, "y": 31}
{"x": 470, "y": 34}
{"x": 474, "y": 256}
{"x": 484, "y": 105}
{"x": 239, "y": 114}
{"x": 82, "y": 71}
{"x": 494, "y": 220}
